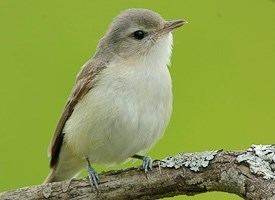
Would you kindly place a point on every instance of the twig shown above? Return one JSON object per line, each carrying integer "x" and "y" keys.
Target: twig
{"x": 248, "y": 174}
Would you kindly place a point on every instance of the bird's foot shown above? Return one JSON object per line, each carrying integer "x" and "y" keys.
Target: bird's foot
{"x": 93, "y": 176}
{"x": 147, "y": 164}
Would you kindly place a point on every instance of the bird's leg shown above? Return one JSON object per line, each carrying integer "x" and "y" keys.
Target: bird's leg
{"x": 147, "y": 164}
{"x": 93, "y": 177}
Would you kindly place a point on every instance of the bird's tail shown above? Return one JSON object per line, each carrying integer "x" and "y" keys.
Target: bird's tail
{"x": 67, "y": 167}
{"x": 51, "y": 178}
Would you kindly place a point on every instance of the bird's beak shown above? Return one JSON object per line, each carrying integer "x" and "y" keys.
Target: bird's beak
{"x": 168, "y": 27}
{"x": 171, "y": 25}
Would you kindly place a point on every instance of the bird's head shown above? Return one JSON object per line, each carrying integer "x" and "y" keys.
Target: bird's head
{"x": 139, "y": 33}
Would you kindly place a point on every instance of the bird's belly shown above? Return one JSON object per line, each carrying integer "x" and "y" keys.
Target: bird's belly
{"x": 128, "y": 133}
{"x": 113, "y": 122}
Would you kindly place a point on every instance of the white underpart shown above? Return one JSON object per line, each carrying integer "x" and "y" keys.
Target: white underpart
{"x": 126, "y": 112}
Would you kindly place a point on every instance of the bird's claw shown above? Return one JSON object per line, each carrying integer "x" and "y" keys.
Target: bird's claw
{"x": 147, "y": 164}
{"x": 93, "y": 177}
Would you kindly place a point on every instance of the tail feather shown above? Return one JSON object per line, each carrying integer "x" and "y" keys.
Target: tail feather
{"x": 50, "y": 178}
{"x": 67, "y": 167}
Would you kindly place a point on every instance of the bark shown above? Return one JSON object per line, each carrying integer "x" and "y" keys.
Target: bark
{"x": 248, "y": 174}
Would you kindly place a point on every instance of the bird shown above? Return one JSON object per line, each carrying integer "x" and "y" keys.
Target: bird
{"x": 121, "y": 101}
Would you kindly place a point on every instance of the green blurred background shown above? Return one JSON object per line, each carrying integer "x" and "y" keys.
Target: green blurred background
{"x": 223, "y": 69}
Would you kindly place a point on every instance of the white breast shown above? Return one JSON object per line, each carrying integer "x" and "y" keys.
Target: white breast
{"x": 126, "y": 112}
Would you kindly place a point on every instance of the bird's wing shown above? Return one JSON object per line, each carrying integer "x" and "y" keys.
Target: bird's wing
{"x": 85, "y": 81}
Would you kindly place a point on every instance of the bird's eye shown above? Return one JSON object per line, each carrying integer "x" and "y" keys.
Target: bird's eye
{"x": 139, "y": 35}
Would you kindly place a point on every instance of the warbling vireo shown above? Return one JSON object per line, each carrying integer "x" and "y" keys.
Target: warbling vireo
{"x": 122, "y": 99}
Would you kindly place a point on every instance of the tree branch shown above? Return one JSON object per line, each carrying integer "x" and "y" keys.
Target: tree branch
{"x": 248, "y": 174}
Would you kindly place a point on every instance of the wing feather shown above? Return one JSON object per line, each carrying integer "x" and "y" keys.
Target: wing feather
{"x": 85, "y": 81}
